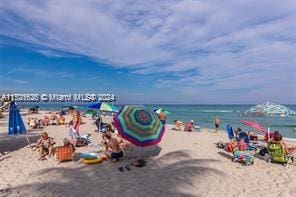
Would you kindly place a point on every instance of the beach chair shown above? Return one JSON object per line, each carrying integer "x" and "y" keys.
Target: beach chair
{"x": 81, "y": 140}
{"x": 278, "y": 154}
{"x": 230, "y": 132}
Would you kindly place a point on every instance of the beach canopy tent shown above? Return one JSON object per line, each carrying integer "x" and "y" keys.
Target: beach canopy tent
{"x": 269, "y": 109}
{"x": 139, "y": 125}
{"x": 159, "y": 110}
{"x": 16, "y": 124}
{"x": 103, "y": 107}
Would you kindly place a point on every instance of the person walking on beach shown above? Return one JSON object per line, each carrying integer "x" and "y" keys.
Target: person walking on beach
{"x": 162, "y": 116}
{"x": 217, "y": 122}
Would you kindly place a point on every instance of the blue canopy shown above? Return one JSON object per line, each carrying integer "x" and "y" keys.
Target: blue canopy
{"x": 16, "y": 124}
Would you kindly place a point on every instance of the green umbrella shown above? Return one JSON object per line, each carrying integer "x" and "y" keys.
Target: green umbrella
{"x": 139, "y": 125}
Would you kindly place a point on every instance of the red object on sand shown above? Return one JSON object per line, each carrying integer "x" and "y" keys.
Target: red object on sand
{"x": 256, "y": 126}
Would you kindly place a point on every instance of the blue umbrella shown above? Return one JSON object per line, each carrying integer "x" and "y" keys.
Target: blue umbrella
{"x": 16, "y": 124}
{"x": 103, "y": 107}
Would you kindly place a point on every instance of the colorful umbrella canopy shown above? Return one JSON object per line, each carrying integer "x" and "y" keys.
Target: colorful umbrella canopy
{"x": 139, "y": 125}
{"x": 159, "y": 110}
{"x": 16, "y": 124}
{"x": 269, "y": 109}
{"x": 103, "y": 107}
{"x": 255, "y": 125}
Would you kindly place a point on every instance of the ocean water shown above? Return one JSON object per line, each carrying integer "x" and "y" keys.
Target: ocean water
{"x": 204, "y": 115}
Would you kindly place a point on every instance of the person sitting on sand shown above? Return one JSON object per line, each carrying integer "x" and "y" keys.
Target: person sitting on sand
{"x": 241, "y": 135}
{"x": 67, "y": 143}
{"x": 113, "y": 150}
{"x": 190, "y": 126}
{"x": 33, "y": 123}
{"x": 45, "y": 120}
{"x": 61, "y": 120}
{"x": 45, "y": 145}
{"x": 178, "y": 125}
{"x": 279, "y": 138}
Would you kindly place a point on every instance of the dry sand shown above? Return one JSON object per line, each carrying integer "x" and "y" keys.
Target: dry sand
{"x": 183, "y": 164}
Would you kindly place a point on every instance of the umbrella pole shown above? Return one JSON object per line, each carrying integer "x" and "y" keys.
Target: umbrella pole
{"x": 100, "y": 133}
{"x": 28, "y": 141}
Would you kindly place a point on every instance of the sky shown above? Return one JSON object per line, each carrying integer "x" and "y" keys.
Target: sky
{"x": 165, "y": 52}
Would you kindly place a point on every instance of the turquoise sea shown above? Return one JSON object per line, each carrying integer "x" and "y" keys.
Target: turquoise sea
{"x": 204, "y": 115}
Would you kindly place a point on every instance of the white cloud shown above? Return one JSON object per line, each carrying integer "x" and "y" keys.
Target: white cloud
{"x": 231, "y": 45}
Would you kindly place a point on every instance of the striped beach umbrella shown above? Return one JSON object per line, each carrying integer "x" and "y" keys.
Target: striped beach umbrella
{"x": 103, "y": 107}
{"x": 139, "y": 125}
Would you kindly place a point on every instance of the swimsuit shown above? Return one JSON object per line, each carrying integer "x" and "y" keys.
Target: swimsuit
{"x": 117, "y": 155}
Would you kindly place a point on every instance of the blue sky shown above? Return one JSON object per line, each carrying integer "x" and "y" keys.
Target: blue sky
{"x": 187, "y": 51}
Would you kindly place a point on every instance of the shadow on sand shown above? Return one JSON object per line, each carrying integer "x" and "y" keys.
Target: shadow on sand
{"x": 12, "y": 143}
{"x": 167, "y": 175}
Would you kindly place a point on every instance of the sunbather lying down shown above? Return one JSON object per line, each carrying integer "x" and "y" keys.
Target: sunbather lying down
{"x": 45, "y": 146}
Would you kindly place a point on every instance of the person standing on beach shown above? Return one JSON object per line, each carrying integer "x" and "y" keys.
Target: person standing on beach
{"x": 217, "y": 122}
{"x": 162, "y": 116}
{"x": 76, "y": 119}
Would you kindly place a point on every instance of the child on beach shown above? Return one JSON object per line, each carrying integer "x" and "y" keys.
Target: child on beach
{"x": 112, "y": 147}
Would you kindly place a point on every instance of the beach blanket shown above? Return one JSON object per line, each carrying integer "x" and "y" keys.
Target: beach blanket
{"x": 242, "y": 156}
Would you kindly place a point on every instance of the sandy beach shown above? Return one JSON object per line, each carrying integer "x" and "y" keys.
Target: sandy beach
{"x": 183, "y": 164}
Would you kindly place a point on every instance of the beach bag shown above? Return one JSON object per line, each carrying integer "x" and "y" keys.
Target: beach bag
{"x": 263, "y": 151}
{"x": 231, "y": 146}
{"x": 64, "y": 153}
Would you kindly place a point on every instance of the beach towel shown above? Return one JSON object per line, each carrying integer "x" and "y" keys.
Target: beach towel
{"x": 242, "y": 156}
